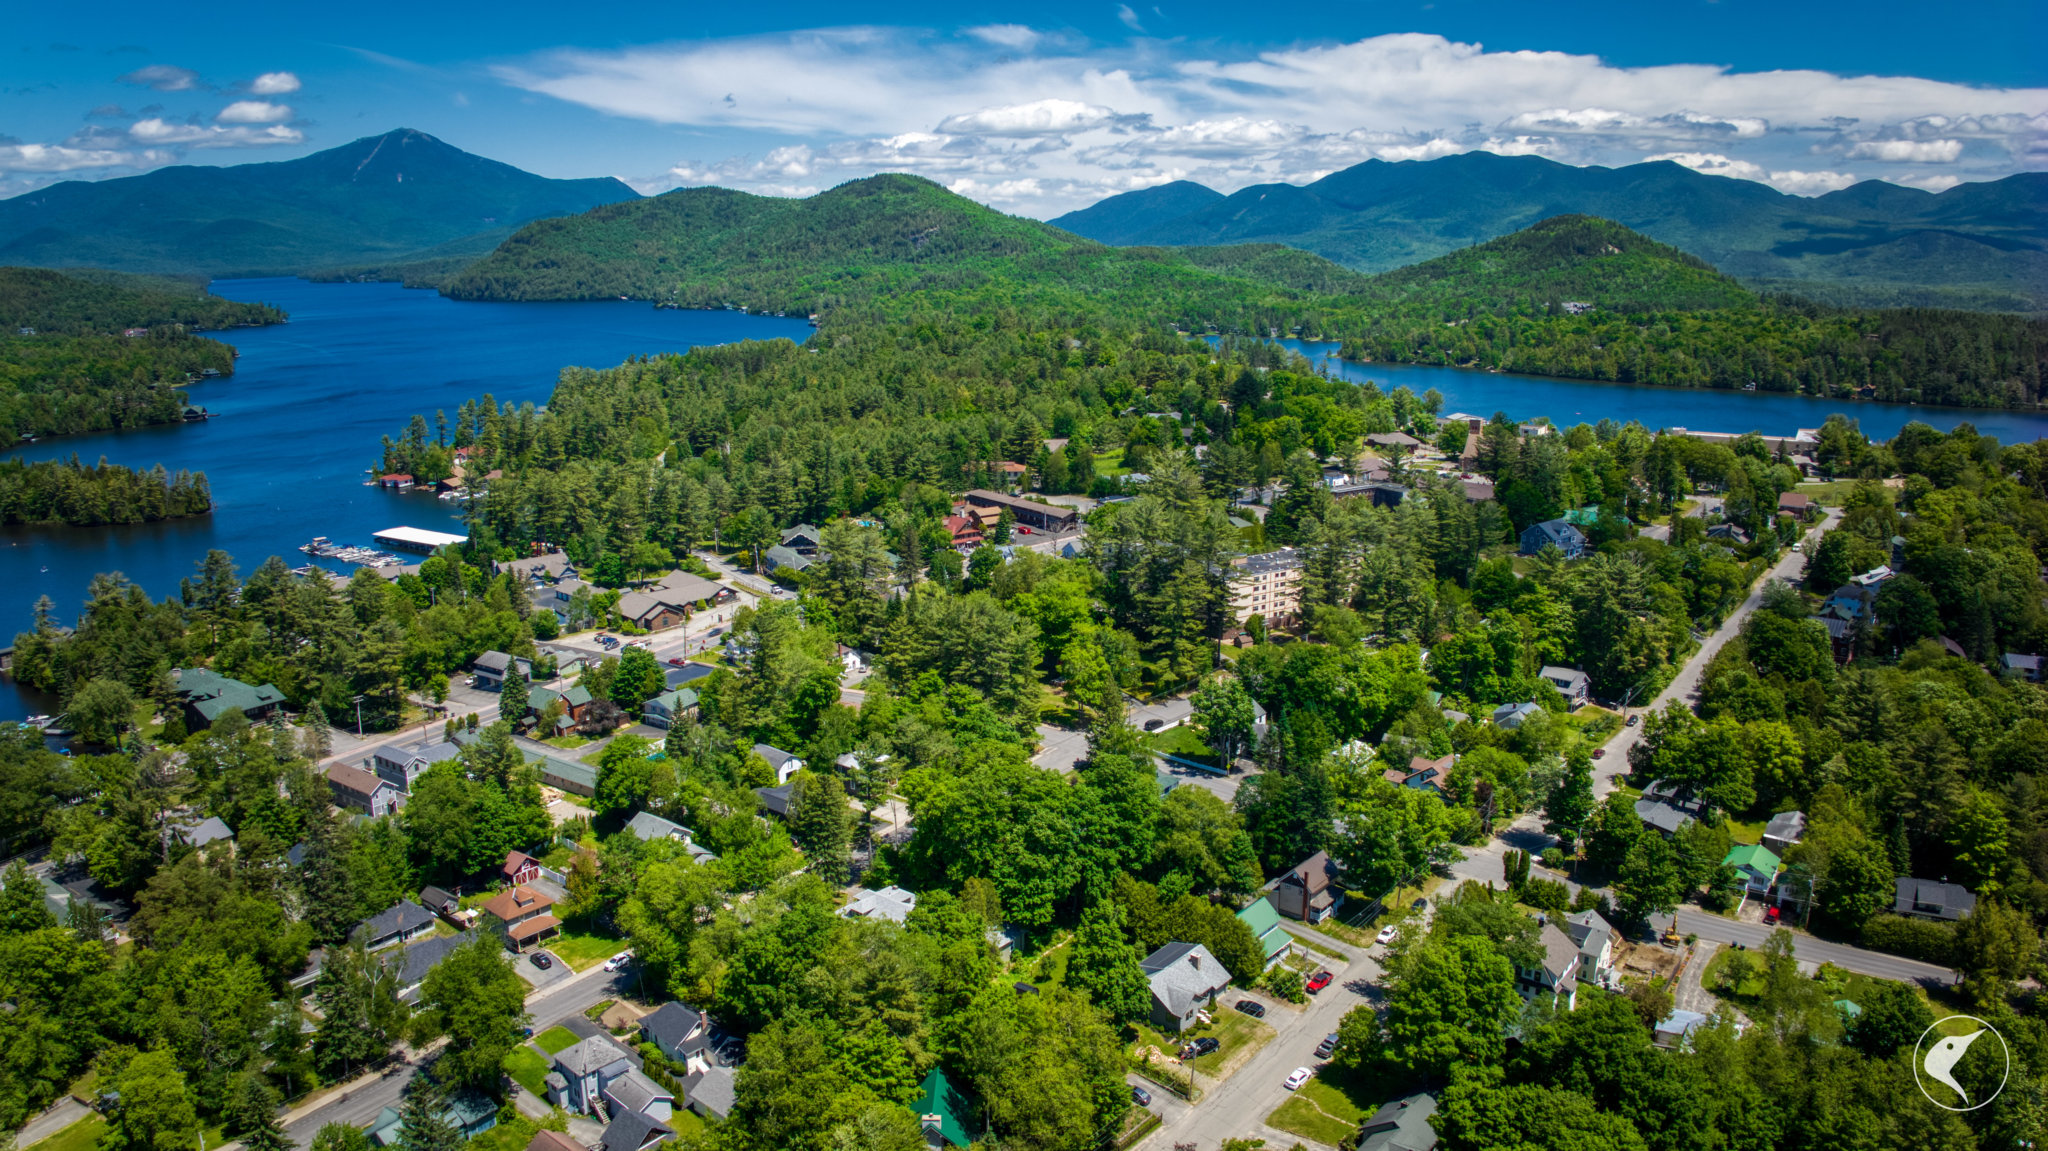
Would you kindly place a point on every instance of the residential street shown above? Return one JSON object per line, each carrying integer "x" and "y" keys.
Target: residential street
{"x": 1238, "y": 1108}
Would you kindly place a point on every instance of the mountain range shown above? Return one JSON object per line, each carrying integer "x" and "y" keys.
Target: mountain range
{"x": 401, "y": 195}
{"x": 1975, "y": 245}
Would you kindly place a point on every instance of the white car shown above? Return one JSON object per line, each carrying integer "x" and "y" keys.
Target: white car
{"x": 1300, "y": 1076}
{"x": 618, "y": 961}
{"x": 1386, "y": 934}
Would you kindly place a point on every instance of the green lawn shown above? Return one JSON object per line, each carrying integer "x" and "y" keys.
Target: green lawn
{"x": 555, "y": 1040}
{"x": 580, "y": 949}
{"x": 1236, "y": 1031}
{"x": 689, "y": 1126}
{"x": 1319, "y": 1112}
{"x": 80, "y": 1136}
{"x": 528, "y": 1069}
{"x": 513, "y": 1136}
{"x": 567, "y": 742}
{"x": 1182, "y": 741}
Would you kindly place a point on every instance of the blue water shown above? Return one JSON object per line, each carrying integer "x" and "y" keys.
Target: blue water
{"x": 299, "y": 424}
{"x": 1569, "y": 402}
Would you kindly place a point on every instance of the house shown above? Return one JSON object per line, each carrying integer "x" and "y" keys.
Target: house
{"x": 634, "y": 1091}
{"x": 1306, "y": 892}
{"x": 633, "y": 1130}
{"x": 1926, "y": 899}
{"x": 575, "y": 703}
{"x": 545, "y": 1140}
{"x": 655, "y": 610}
{"x": 361, "y": 790}
{"x": 665, "y": 709}
{"x": 1594, "y": 938}
{"x": 1559, "y": 534}
{"x": 1376, "y": 491}
{"x": 943, "y": 1111}
{"x": 400, "y": 765}
{"x": 1676, "y": 1028}
{"x": 779, "y": 557}
{"x": 204, "y": 696}
{"x": 492, "y": 668}
{"x": 520, "y": 868}
{"x": 539, "y": 569}
{"x": 2026, "y": 667}
{"x": 774, "y": 800}
{"x": 891, "y": 903}
{"x": 781, "y": 762}
{"x": 1795, "y": 504}
{"x": 1268, "y": 584}
{"x": 1575, "y": 685}
{"x": 1184, "y": 979}
{"x": 1729, "y": 533}
{"x": 965, "y": 532}
{"x": 1512, "y": 715}
{"x": 710, "y": 1092}
{"x": 200, "y": 832}
{"x": 1851, "y": 601}
{"x": 1757, "y": 867}
{"x": 419, "y": 957}
{"x": 682, "y": 1034}
{"x": 648, "y": 827}
{"x": 570, "y": 775}
{"x": 1394, "y": 440}
{"x": 441, "y": 903}
{"x": 522, "y": 916}
{"x": 401, "y": 922}
{"x": 1556, "y": 974}
{"x": 1264, "y": 920}
{"x": 1421, "y": 774}
{"x": 1031, "y": 513}
{"x": 469, "y": 1111}
{"x": 581, "y": 1071}
{"x": 1783, "y": 831}
{"x": 1660, "y": 809}
{"x": 1402, "y": 1125}
{"x": 1477, "y": 490}
{"x": 803, "y": 539}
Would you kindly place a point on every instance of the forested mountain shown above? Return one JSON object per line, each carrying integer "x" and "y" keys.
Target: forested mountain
{"x": 68, "y": 364}
{"x": 889, "y": 242}
{"x": 1977, "y": 244}
{"x": 377, "y": 198}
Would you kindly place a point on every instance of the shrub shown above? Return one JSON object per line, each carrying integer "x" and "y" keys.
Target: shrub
{"x": 1547, "y": 894}
{"x": 1553, "y": 858}
{"x": 1287, "y": 983}
{"x": 1913, "y": 938}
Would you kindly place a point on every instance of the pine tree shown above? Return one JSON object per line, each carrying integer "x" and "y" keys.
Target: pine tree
{"x": 421, "y": 1126}
{"x": 317, "y": 735}
{"x": 513, "y": 698}
{"x": 822, "y": 825}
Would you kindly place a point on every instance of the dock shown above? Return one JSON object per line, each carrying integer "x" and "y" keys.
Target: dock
{"x": 327, "y": 549}
{"x": 417, "y": 539}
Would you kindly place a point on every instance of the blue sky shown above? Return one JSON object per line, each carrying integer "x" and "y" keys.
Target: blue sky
{"x": 1044, "y": 107}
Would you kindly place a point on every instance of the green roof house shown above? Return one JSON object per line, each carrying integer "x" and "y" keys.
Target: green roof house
{"x": 944, "y": 1111}
{"x": 663, "y": 710}
{"x": 1584, "y": 517}
{"x": 1264, "y": 920}
{"x": 468, "y": 1111}
{"x": 206, "y": 695}
{"x": 1756, "y": 865}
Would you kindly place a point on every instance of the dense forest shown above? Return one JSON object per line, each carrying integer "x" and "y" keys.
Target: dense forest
{"x": 70, "y": 492}
{"x": 1642, "y": 312}
{"x": 67, "y": 366}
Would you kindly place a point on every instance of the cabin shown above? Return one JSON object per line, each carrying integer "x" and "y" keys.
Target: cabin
{"x": 204, "y": 696}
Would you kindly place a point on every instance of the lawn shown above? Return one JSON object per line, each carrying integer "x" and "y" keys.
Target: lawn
{"x": 555, "y": 1040}
{"x": 1233, "y": 1030}
{"x": 1318, "y": 1111}
{"x": 80, "y": 1136}
{"x": 1183, "y": 741}
{"x": 528, "y": 1069}
{"x": 580, "y": 949}
{"x": 567, "y": 742}
{"x": 688, "y": 1125}
{"x": 512, "y": 1136}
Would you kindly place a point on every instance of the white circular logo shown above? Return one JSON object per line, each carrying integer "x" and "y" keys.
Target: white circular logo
{"x": 1936, "y": 1055}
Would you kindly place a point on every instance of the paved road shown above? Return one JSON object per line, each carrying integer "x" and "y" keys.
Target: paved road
{"x": 1686, "y": 684}
{"x": 1060, "y": 749}
{"x": 564, "y": 1000}
{"x": 1237, "y": 1108}
{"x": 1691, "y": 921}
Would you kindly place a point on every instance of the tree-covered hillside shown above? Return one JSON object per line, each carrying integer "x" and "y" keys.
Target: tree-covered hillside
{"x": 67, "y": 364}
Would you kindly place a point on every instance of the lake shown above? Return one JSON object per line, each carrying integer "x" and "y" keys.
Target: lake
{"x": 298, "y": 426}
{"x": 1569, "y": 402}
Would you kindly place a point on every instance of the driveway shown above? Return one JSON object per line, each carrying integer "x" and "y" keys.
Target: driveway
{"x": 537, "y": 978}
{"x": 1237, "y": 1108}
{"x": 1060, "y": 749}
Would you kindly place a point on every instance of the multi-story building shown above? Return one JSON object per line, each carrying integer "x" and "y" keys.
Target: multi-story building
{"x": 1268, "y": 584}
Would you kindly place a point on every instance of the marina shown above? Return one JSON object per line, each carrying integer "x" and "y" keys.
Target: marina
{"x": 326, "y": 549}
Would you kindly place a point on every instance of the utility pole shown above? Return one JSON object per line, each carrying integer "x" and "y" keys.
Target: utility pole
{"x": 359, "y": 716}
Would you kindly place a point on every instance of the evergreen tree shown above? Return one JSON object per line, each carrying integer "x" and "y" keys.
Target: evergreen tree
{"x": 821, "y": 824}
{"x": 513, "y": 701}
{"x": 422, "y": 1126}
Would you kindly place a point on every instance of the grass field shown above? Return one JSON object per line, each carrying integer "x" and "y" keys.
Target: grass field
{"x": 580, "y": 949}
{"x": 528, "y": 1069}
{"x": 1320, "y": 1112}
{"x": 688, "y": 1125}
{"x": 80, "y": 1136}
{"x": 555, "y": 1040}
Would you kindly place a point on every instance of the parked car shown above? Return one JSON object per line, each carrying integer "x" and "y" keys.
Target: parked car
{"x": 1301, "y": 1075}
{"x": 1770, "y": 914}
{"x": 1327, "y": 1047}
{"x": 1318, "y": 981}
{"x": 1023, "y": 988}
{"x": 1154, "y": 724}
{"x": 1599, "y": 753}
{"x": 542, "y": 960}
{"x": 1197, "y": 1048}
{"x": 1022, "y": 530}
{"x": 1252, "y": 1007}
{"x": 1419, "y": 904}
{"x": 619, "y": 961}
{"x": 677, "y": 661}
{"x": 1386, "y": 934}
{"x": 1141, "y": 1097}
{"x": 1634, "y": 719}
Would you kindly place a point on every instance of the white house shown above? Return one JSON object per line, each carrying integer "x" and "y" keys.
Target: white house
{"x": 784, "y": 764}
{"x": 1594, "y": 938}
{"x": 1556, "y": 974}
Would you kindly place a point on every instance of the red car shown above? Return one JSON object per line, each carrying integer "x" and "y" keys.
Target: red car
{"x": 676, "y": 660}
{"x": 1599, "y": 753}
{"x": 1770, "y": 915}
{"x": 1320, "y": 981}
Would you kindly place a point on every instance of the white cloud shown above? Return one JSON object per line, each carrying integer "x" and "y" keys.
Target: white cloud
{"x": 1001, "y": 104}
{"x": 274, "y": 84}
{"x": 163, "y": 78}
{"x": 254, "y": 112}
{"x": 1909, "y": 151}
{"x": 1129, "y": 18}
{"x": 60, "y": 158}
{"x": 158, "y": 131}
{"x": 1934, "y": 182}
